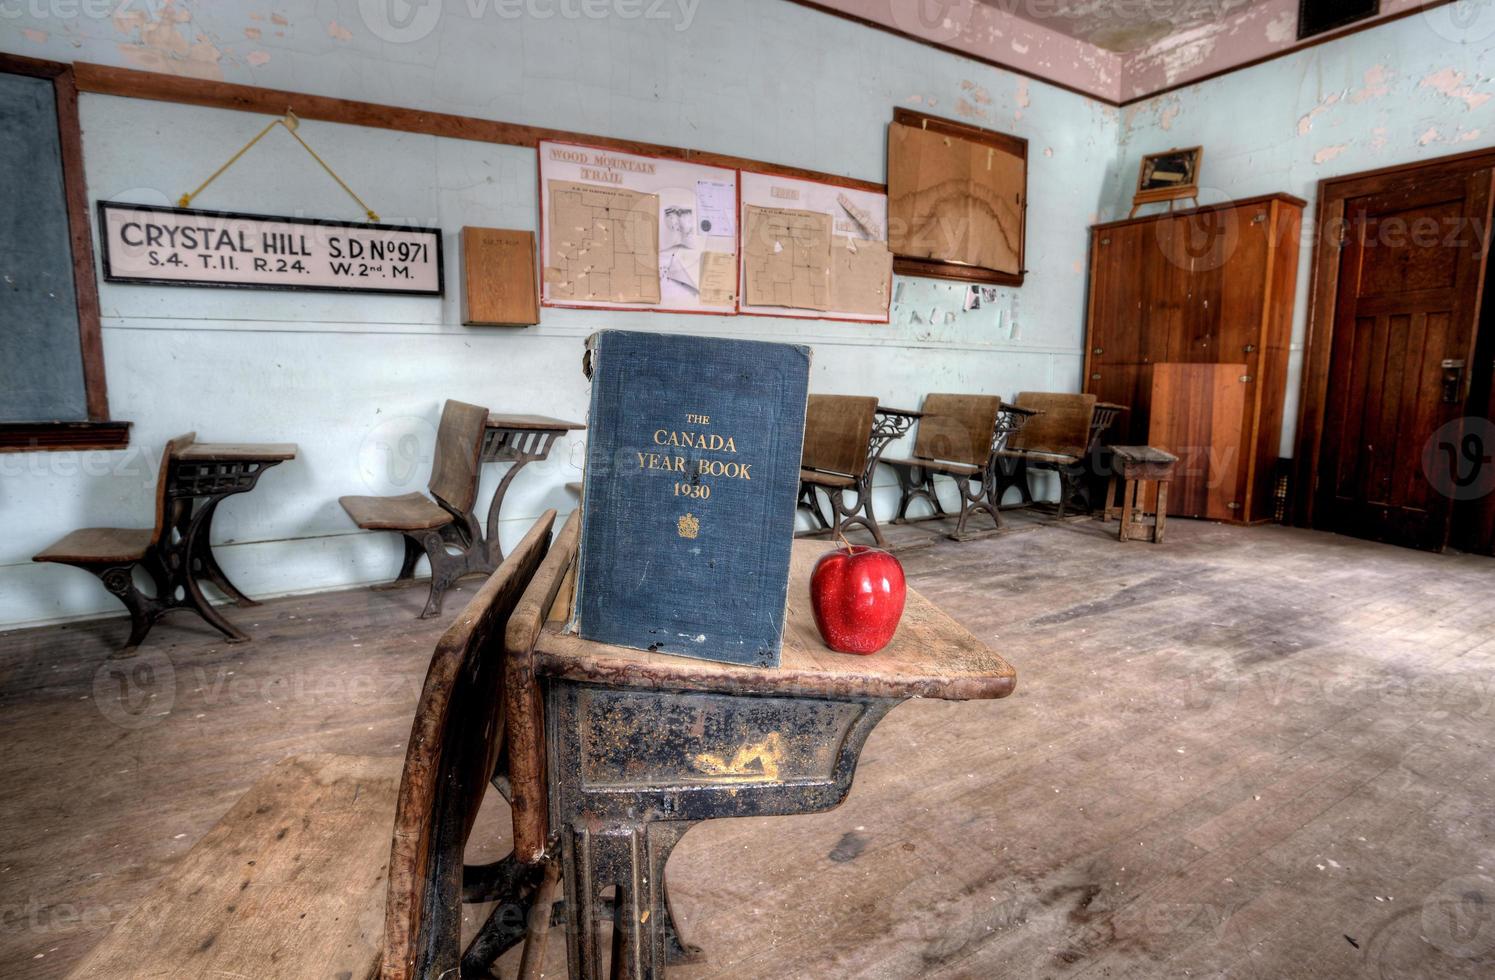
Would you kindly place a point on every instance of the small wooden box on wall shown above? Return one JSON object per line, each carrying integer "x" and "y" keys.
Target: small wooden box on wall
{"x": 499, "y": 285}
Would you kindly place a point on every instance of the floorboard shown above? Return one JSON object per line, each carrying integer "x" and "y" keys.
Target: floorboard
{"x": 1246, "y": 753}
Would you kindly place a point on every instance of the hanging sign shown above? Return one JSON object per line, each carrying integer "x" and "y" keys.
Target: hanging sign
{"x": 184, "y": 247}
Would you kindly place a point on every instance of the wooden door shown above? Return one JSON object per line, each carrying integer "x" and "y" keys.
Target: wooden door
{"x": 1410, "y": 274}
{"x": 1197, "y": 412}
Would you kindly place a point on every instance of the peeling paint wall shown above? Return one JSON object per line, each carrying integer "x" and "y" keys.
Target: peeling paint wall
{"x": 1409, "y": 90}
{"x": 357, "y": 381}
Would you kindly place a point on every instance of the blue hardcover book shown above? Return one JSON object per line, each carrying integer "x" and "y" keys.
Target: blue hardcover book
{"x": 693, "y": 454}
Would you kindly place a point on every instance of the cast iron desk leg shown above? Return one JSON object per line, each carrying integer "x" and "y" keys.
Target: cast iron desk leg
{"x": 632, "y": 770}
{"x": 520, "y": 447}
{"x": 196, "y": 489}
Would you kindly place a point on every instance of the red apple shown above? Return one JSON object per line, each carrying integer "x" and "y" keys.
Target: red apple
{"x": 857, "y": 594}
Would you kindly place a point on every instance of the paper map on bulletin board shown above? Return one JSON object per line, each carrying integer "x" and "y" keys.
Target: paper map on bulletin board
{"x": 814, "y": 250}
{"x": 624, "y": 231}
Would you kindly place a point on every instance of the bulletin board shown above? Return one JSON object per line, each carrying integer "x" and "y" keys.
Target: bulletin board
{"x": 624, "y": 231}
{"x": 813, "y": 250}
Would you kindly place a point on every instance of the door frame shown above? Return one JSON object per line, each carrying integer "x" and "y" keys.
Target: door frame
{"x": 1323, "y": 296}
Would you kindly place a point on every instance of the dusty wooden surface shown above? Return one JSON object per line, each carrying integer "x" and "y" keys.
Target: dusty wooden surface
{"x": 1226, "y": 756}
{"x": 410, "y": 511}
{"x": 313, "y": 834}
{"x": 99, "y": 544}
{"x": 229, "y": 452}
{"x": 524, "y": 715}
{"x": 931, "y": 656}
{"x": 499, "y": 420}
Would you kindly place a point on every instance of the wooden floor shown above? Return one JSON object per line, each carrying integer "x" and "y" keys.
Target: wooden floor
{"x": 1252, "y": 753}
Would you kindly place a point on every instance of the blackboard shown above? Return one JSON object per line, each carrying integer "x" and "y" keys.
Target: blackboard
{"x": 41, "y": 361}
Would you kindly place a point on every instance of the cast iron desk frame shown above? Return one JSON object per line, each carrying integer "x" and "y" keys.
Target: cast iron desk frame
{"x": 888, "y": 425}
{"x": 642, "y": 746}
{"x": 918, "y": 483}
{"x": 516, "y": 439}
{"x": 1014, "y": 472}
{"x": 199, "y": 478}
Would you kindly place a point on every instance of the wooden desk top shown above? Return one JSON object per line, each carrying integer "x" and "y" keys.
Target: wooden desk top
{"x": 530, "y": 422}
{"x": 1144, "y": 454}
{"x": 932, "y": 656}
{"x": 238, "y": 452}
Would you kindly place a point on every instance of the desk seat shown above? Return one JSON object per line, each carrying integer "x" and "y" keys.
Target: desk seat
{"x": 290, "y": 883}
{"x": 100, "y": 544}
{"x": 1039, "y": 456}
{"x": 943, "y": 467}
{"x": 823, "y": 479}
{"x": 411, "y": 512}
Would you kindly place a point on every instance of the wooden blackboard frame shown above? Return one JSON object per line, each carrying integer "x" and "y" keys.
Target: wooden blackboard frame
{"x": 97, "y": 432}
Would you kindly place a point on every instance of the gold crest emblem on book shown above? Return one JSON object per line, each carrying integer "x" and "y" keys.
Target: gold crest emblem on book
{"x": 688, "y": 526}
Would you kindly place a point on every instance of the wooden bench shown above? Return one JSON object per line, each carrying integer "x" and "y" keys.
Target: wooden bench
{"x": 838, "y": 436}
{"x": 1135, "y": 466}
{"x": 444, "y": 520}
{"x": 302, "y": 877}
{"x": 1057, "y": 437}
{"x": 954, "y": 439}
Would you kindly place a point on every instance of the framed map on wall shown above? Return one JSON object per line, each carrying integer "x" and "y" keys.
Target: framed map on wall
{"x": 957, "y": 200}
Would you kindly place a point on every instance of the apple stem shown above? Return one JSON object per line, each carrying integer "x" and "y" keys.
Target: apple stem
{"x": 840, "y": 539}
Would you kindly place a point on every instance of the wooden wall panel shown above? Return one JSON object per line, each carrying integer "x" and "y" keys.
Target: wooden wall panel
{"x": 1196, "y": 414}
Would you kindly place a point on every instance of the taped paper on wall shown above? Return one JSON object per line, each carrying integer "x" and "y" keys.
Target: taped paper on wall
{"x": 718, "y": 277}
{"x": 604, "y": 244}
{"x": 861, "y": 276}
{"x": 861, "y": 216}
{"x": 716, "y": 202}
{"x": 788, "y": 258}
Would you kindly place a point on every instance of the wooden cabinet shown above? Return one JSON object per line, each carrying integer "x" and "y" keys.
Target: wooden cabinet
{"x": 1208, "y": 286}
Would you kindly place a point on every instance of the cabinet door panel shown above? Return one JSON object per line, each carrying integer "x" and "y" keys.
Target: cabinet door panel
{"x": 1196, "y": 412}
{"x": 1124, "y": 384}
{"x": 1116, "y": 298}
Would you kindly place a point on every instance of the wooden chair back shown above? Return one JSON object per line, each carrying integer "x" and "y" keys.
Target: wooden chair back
{"x": 838, "y": 429}
{"x": 459, "y": 442}
{"x": 455, "y": 745}
{"x": 529, "y": 797}
{"x": 163, "y": 478}
{"x": 958, "y": 428}
{"x": 1063, "y": 428}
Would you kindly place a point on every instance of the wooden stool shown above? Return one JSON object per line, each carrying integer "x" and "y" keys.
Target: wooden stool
{"x": 1136, "y": 465}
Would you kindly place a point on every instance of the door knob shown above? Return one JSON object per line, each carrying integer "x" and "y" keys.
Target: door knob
{"x": 1453, "y": 381}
